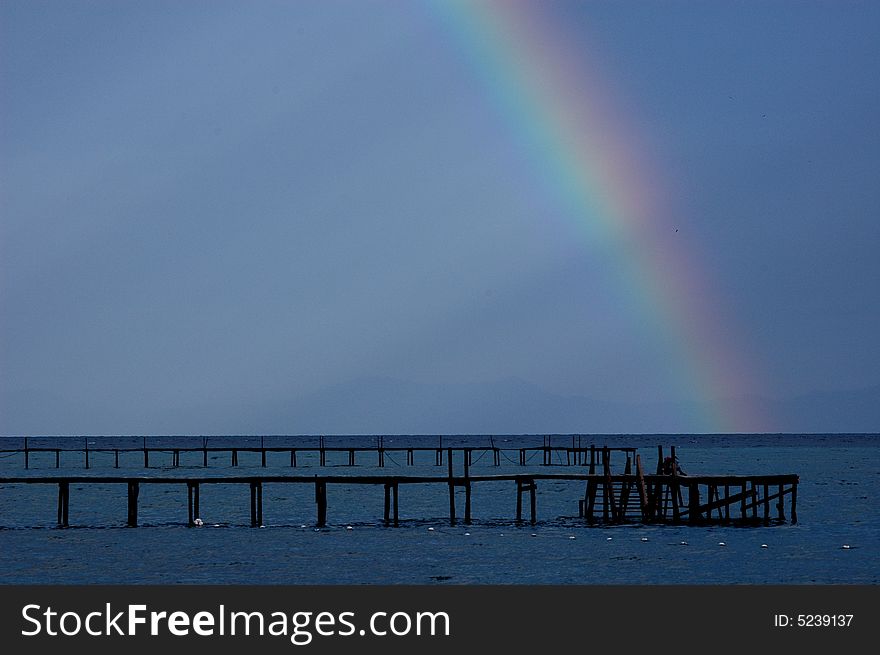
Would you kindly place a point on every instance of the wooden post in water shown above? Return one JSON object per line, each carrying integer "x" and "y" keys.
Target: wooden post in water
{"x": 262, "y": 452}
{"x": 293, "y": 457}
{"x": 116, "y": 453}
{"x": 321, "y": 500}
{"x": 592, "y": 489}
{"x": 63, "y": 504}
{"x": 205, "y": 452}
{"x": 606, "y": 488}
{"x": 675, "y": 491}
{"x": 780, "y": 503}
{"x": 519, "y": 490}
{"x": 394, "y": 498}
{"x": 467, "y": 487}
{"x": 146, "y": 455}
{"x": 190, "y": 516}
{"x": 133, "y": 492}
{"x": 256, "y": 504}
{"x": 532, "y": 488}
{"x": 643, "y": 493}
{"x": 192, "y": 502}
{"x": 87, "y": 452}
{"x": 754, "y": 500}
{"x": 592, "y": 459}
{"x": 57, "y": 458}
{"x": 253, "y": 505}
{"x": 387, "y": 514}
{"x": 526, "y": 484}
{"x": 451, "y": 490}
{"x": 234, "y": 457}
{"x": 26, "y": 454}
{"x": 323, "y": 453}
{"x": 694, "y": 503}
{"x": 260, "y": 504}
{"x": 794, "y": 503}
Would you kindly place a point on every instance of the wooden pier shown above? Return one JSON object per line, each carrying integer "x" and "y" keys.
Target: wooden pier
{"x": 551, "y": 454}
{"x": 631, "y": 496}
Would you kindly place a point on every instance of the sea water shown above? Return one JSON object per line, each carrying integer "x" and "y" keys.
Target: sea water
{"x": 837, "y": 538}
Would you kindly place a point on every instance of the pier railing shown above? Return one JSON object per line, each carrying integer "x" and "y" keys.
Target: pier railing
{"x": 561, "y": 453}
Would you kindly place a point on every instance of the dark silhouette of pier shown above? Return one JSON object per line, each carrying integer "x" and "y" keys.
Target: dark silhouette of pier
{"x": 576, "y": 454}
{"x": 667, "y": 496}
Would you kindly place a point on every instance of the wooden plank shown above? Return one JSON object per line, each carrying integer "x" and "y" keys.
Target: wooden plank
{"x": 625, "y": 490}
{"x": 780, "y": 505}
{"x": 766, "y": 505}
{"x": 727, "y": 501}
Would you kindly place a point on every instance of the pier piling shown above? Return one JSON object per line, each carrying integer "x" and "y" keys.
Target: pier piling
{"x": 133, "y": 492}
{"x": 63, "y": 504}
{"x": 256, "y": 504}
{"x": 656, "y": 494}
{"x": 451, "y": 490}
{"x": 321, "y": 501}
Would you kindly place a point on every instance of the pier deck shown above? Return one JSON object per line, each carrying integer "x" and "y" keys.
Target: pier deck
{"x": 617, "y": 498}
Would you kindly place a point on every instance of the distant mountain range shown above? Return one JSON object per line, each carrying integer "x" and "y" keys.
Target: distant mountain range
{"x": 515, "y": 406}
{"x": 392, "y": 406}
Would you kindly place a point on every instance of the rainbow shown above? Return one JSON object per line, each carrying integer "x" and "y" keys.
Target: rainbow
{"x": 550, "y": 91}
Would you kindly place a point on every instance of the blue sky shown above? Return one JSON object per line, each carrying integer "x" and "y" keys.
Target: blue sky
{"x": 309, "y": 217}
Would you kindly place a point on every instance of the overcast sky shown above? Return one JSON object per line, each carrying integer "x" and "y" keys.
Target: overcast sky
{"x": 211, "y": 213}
